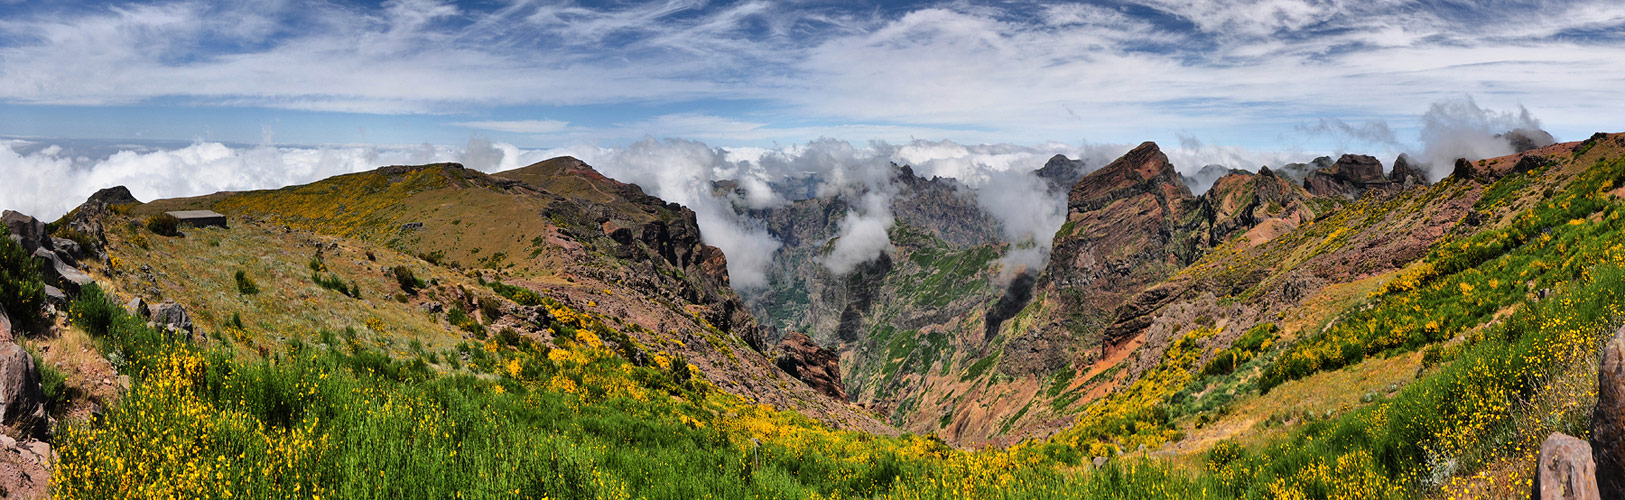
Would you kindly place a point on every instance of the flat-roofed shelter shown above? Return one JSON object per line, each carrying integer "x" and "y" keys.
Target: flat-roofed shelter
{"x": 200, "y": 218}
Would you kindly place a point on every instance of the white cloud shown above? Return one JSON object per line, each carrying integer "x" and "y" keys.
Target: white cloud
{"x": 1460, "y": 128}
{"x": 863, "y": 234}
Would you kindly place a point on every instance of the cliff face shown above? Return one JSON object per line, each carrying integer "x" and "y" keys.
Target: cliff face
{"x": 1129, "y": 224}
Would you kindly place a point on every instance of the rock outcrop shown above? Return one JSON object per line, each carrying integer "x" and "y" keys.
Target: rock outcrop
{"x": 60, "y": 273}
{"x": 26, "y": 230}
{"x": 648, "y": 230}
{"x": 113, "y": 196}
{"x": 1608, "y": 419}
{"x": 1242, "y": 200}
{"x": 5, "y": 325}
{"x": 1524, "y": 139}
{"x": 22, "y": 403}
{"x": 1060, "y": 173}
{"x": 817, "y": 366}
{"x": 60, "y": 256}
{"x": 1297, "y": 172}
{"x": 138, "y": 307}
{"x": 1127, "y": 227}
{"x": 1406, "y": 175}
{"x": 1351, "y": 176}
{"x": 1564, "y": 470}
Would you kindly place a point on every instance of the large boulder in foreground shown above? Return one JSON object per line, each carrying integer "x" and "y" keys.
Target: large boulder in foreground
{"x": 1564, "y": 470}
{"x": 1608, "y": 419}
{"x": 22, "y": 403}
{"x": 807, "y": 362}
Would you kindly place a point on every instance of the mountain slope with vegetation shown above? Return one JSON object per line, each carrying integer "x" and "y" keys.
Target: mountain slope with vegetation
{"x": 1257, "y": 341}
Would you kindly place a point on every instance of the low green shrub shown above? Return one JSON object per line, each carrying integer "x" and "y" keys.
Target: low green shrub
{"x": 164, "y": 225}
{"x": 22, "y": 289}
{"x": 245, "y": 285}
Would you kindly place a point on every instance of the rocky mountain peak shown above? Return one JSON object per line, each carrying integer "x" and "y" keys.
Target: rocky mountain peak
{"x": 1405, "y": 174}
{"x": 116, "y": 195}
{"x": 1061, "y": 172}
{"x": 1143, "y": 169}
{"x": 1349, "y": 177}
{"x": 1524, "y": 139}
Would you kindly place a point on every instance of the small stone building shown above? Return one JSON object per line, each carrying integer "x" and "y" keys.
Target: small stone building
{"x": 200, "y": 218}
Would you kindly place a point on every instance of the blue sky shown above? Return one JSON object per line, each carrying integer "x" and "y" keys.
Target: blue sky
{"x": 1254, "y": 74}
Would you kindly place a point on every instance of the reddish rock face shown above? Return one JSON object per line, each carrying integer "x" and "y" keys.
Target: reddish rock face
{"x": 1608, "y": 419}
{"x": 1564, "y": 470}
{"x": 1127, "y": 228}
{"x": 807, "y": 362}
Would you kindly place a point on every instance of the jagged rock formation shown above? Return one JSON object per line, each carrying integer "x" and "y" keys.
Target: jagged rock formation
{"x": 1297, "y": 172}
{"x": 806, "y": 361}
{"x": 1525, "y": 139}
{"x": 1405, "y": 175}
{"x": 1132, "y": 224}
{"x": 1351, "y": 176}
{"x": 1241, "y": 200}
{"x": 1060, "y": 173}
{"x": 1129, "y": 225}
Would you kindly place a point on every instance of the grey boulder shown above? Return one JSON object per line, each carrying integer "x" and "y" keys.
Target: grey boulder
{"x": 60, "y": 274}
{"x": 138, "y": 308}
{"x": 22, "y": 403}
{"x": 172, "y": 316}
{"x": 30, "y": 232}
